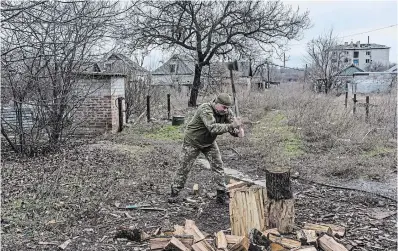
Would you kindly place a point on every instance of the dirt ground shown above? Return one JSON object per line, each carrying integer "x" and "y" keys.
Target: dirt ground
{"x": 73, "y": 195}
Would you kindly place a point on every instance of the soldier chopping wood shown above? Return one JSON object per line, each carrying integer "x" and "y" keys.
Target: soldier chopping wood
{"x": 210, "y": 120}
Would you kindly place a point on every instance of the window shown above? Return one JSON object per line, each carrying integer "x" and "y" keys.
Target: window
{"x": 356, "y": 62}
{"x": 367, "y": 60}
{"x": 346, "y": 52}
{"x": 356, "y": 54}
{"x": 173, "y": 68}
{"x": 368, "y": 53}
{"x": 346, "y": 60}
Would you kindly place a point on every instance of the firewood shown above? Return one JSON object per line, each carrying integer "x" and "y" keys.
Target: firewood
{"x": 202, "y": 246}
{"x": 195, "y": 189}
{"x": 178, "y": 230}
{"x": 307, "y": 236}
{"x": 236, "y": 185}
{"x": 306, "y": 248}
{"x": 279, "y": 214}
{"x": 233, "y": 239}
{"x": 246, "y": 209}
{"x": 276, "y": 247}
{"x": 258, "y": 241}
{"x": 328, "y": 243}
{"x": 192, "y": 229}
{"x": 221, "y": 240}
{"x": 242, "y": 245}
{"x": 175, "y": 244}
{"x": 273, "y": 231}
{"x": 288, "y": 243}
{"x": 319, "y": 229}
{"x": 278, "y": 183}
{"x": 160, "y": 242}
{"x": 337, "y": 231}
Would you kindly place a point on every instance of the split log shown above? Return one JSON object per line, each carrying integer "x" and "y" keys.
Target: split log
{"x": 273, "y": 231}
{"x": 236, "y": 185}
{"x": 192, "y": 229}
{"x": 288, "y": 243}
{"x": 307, "y": 236}
{"x": 160, "y": 242}
{"x": 242, "y": 245}
{"x": 276, "y": 247}
{"x": 246, "y": 209}
{"x": 307, "y": 248}
{"x": 319, "y": 229}
{"x": 221, "y": 240}
{"x": 175, "y": 244}
{"x": 202, "y": 246}
{"x": 195, "y": 189}
{"x": 279, "y": 202}
{"x": 337, "y": 231}
{"x": 233, "y": 239}
{"x": 328, "y": 243}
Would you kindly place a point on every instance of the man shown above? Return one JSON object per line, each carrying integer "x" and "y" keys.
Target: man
{"x": 210, "y": 119}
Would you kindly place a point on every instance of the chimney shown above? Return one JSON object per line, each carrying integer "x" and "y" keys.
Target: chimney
{"x": 368, "y": 40}
{"x": 358, "y": 44}
{"x": 345, "y": 43}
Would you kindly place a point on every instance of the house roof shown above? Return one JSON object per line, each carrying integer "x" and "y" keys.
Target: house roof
{"x": 350, "y": 70}
{"x": 130, "y": 63}
{"x": 392, "y": 69}
{"x": 354, "y": 46}
{"x": 184, "y": 66}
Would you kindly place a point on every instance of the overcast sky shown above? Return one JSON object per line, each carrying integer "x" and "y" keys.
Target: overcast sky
{"x": 346, "y": 18}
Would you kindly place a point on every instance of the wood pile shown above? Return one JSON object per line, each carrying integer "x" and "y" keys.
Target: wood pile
{"x": 311, "y": 237}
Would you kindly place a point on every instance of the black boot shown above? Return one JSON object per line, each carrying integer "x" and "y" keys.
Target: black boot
{"x": 222, "y": 197}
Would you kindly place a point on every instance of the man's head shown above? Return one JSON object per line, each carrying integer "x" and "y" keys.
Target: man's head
{"x": 222, "y": 103}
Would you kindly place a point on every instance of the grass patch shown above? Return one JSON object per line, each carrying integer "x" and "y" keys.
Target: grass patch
{"x": 168, "y": 132}
{"x": 274, "y": 134}
{"x": 379, "y": 151}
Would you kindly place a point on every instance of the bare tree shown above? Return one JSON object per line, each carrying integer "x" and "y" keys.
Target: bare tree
{"x": 45, "y": 45}
{"x": 212, "y": 28}
{"x": 378, "y": 66}
{"x": 325, "y": 60}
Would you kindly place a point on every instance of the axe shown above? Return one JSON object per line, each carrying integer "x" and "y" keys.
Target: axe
{"x": 233, "y": 66}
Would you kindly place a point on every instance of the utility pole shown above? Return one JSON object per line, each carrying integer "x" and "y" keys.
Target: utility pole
{"x": 284, "y": 60}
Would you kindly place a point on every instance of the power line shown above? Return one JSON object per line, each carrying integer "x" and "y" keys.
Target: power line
{"x": 370, "y": 31}
{"x": 358, "y": 33}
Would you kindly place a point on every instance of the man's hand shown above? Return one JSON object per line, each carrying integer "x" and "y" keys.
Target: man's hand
{"x": 236, "y": 123}
{"x": 241, "y": 133}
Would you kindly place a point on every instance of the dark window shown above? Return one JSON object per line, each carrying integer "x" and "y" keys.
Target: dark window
{"x": 172, "y": 68}
{"x": 346, "y": 60}
{"x": 368, "y": 53}
{"x": 367, "y": 60}
{"x": 356, "y": 54}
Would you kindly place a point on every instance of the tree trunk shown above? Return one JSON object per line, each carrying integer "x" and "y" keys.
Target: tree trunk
{"x": 279, "y": 205}
{"x": 195, "y": 86}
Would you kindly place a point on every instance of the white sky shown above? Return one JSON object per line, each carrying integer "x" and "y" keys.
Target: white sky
{"x": 345, "y": 17}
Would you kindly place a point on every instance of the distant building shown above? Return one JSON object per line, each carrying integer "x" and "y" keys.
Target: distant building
{"x": 362, "y": 55}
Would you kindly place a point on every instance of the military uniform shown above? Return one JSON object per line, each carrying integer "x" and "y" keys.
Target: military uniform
{"x": 200, "y": 136}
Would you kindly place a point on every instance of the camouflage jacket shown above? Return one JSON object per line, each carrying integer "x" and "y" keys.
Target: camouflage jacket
{"x": 206, "y": 124}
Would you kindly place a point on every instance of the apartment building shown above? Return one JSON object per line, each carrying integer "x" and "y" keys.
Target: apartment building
{"x": 363, "y": 55}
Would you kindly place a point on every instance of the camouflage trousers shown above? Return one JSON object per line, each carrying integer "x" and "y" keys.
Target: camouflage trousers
{"x": 187, "y": 158}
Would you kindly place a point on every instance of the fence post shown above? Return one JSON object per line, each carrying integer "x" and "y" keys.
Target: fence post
{"x": 148, "y": 108}
{"x": 355, "y": 102}
{"x": 268, "y": 75}
{"x": 168, "y": 106}
{"x": 346, "y": 95}
{"x": 120, "y": 111}
{"x": 367, "y": 108}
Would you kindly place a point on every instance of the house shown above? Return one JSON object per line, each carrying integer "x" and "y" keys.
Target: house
{"x": 179, "y": 72}
{"x": 120, "y": 63}
{"x": 362, "y": 55}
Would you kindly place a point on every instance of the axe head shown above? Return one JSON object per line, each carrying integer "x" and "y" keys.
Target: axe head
{"x": 232, "y": 65}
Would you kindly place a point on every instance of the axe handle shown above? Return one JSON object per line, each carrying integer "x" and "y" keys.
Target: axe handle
{"x": 234, "y": 94}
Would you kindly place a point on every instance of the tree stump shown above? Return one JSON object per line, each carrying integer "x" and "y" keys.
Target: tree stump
{"x": 279, "y": 204}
